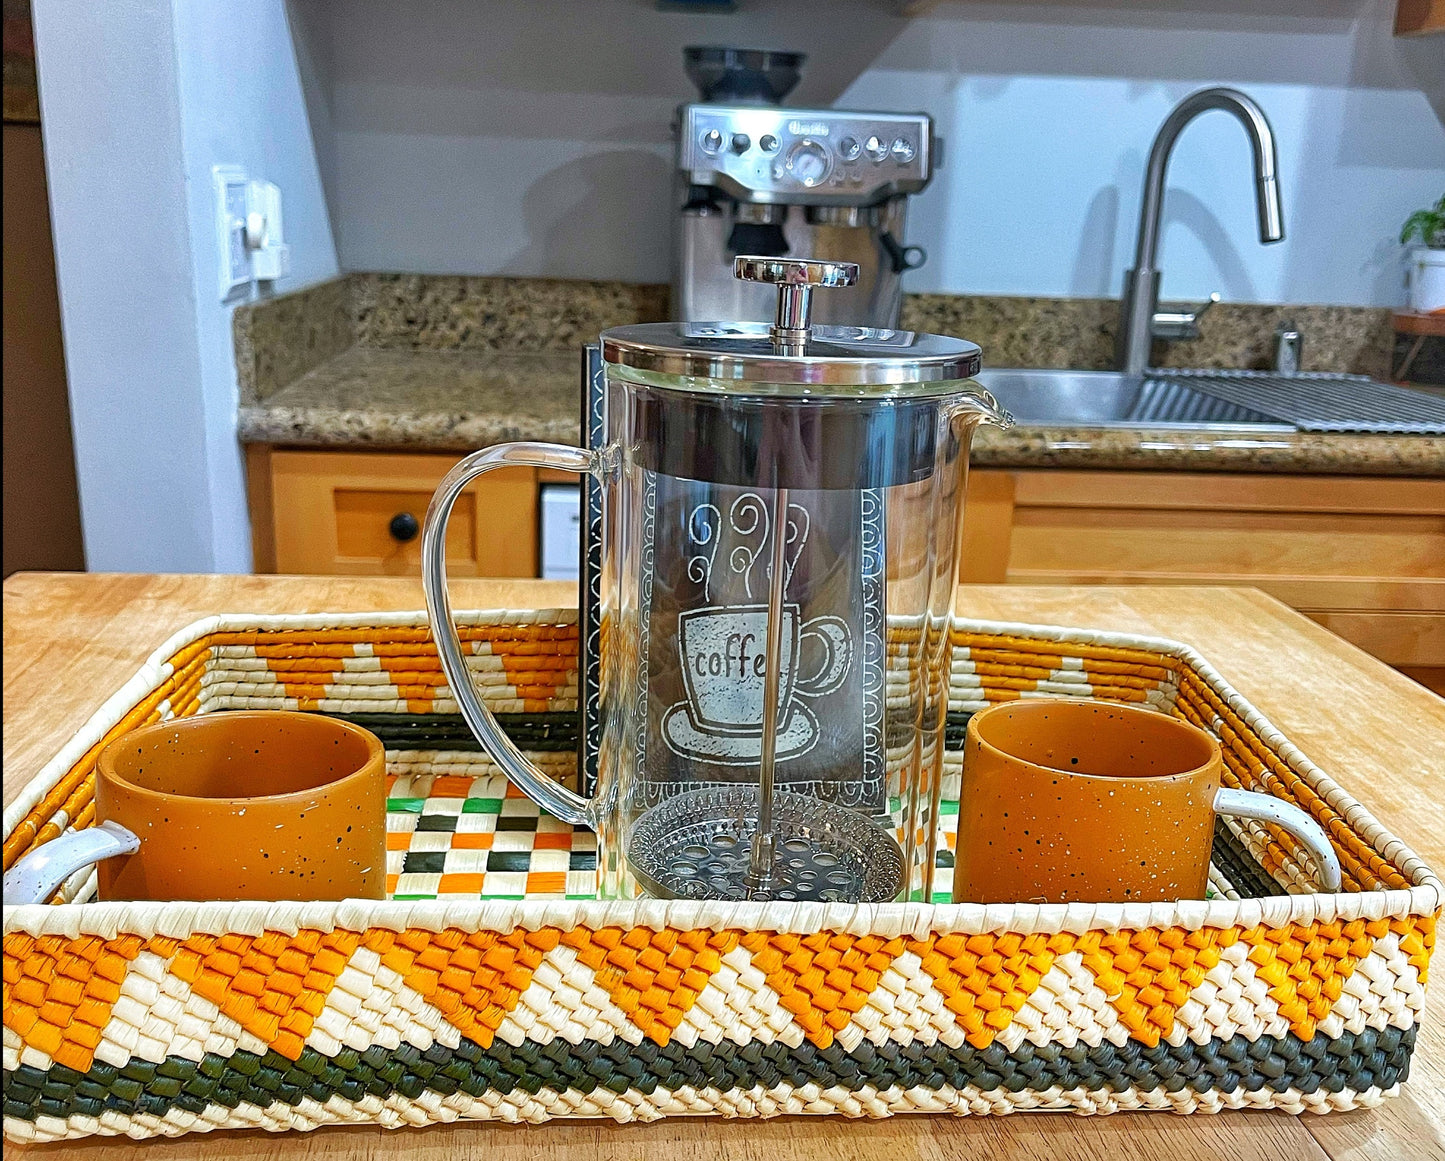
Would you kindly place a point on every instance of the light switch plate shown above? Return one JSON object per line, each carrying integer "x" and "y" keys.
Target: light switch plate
{"x": 229, "y": 182}
{"x": 265, "y": 234}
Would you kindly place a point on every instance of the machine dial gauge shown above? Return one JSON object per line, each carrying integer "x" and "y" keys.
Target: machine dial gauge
{"x": 809, "y": 162}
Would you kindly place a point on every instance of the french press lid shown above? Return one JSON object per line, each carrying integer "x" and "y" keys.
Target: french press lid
{"x": 792, "y": 354}
{"x": 791, "y": 404}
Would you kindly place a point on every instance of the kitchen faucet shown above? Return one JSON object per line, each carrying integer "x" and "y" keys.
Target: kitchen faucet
{"x": 1140, "y": 320}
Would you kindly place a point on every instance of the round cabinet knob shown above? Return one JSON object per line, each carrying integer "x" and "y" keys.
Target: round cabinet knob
{"x": 876, "y": 149}
{"x": 809, "y": 162}
{"x": 711, "y": 141}
{"x": 403, "y": 527}
{"x": 741, "y": 141}
{"x": 903, "y": 151}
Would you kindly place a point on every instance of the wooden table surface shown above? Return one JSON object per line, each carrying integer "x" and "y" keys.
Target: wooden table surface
{"x": 71, "y": 639}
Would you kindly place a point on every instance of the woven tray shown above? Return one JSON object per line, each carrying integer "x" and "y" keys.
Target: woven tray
{"x": 485, "y": 988}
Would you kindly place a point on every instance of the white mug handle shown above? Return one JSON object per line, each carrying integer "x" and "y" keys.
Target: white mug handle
{"x": 1268, "y": 808}
{"x": 39, "y": 874}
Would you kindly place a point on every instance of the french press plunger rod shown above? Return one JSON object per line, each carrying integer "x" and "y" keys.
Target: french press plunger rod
{"x": 743, "y": 841}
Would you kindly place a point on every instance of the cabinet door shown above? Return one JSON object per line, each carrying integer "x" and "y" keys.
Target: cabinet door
{"x": 337, "y": 513}
{"x": 1364, "y": 557}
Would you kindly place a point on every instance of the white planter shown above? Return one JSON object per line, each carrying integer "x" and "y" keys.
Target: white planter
{"x": 1427, "y": 280}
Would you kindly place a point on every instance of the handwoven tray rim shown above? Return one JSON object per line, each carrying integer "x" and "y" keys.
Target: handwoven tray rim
{"x": 1425, "y": 897}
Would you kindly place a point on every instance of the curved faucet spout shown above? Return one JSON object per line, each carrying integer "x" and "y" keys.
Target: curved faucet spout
{"x": 1266, "y": 166}
{"x": 1141, "y": 284}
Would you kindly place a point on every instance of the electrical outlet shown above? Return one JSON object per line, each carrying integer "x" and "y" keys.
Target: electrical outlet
{"x": 229, "y": 182}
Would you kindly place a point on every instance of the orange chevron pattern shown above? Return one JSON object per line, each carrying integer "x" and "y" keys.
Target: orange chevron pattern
{"x": 1307, "y": 975}
{"x": 655, "y": 977}
{"x": 822, "y": 979}
{"x": 273, "y": 985}
{"x": 538, "y": 662}
{"x": 474, "y": 979}
{"x": 1149, "y": 974}
{"x": 59, "y": 992}
{"x": 987, "y": 979}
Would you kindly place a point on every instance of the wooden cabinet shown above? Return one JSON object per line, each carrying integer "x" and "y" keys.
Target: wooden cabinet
{"x": 1419, "y": 17}
{"x": 332, "y": 513}
{"x": 1363, "y": 557}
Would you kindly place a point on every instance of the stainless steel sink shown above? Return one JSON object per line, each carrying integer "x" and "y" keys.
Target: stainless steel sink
{"x": 1114, "y": 399}
{"x": 1313, "y": 401}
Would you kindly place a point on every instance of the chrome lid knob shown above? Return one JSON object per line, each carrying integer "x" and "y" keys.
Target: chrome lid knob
{"x": 795, "y": 279}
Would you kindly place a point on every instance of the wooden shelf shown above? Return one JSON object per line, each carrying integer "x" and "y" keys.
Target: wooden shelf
{"x": 1407, "y": 322}
{"x": 1419, "y": 17}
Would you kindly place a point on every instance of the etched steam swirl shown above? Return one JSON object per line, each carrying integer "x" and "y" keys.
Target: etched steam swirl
{"x": 704, "y": 524}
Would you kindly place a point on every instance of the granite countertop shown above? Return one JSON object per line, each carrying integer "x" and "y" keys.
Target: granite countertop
{"x": 427, "y": 400}
{"x": 454, "y": 363}
{"x": 424, "y": 400}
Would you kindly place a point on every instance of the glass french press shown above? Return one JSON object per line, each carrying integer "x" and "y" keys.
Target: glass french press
{"x": 781, "y": 516}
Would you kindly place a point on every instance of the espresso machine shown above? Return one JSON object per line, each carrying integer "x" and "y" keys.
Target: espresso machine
{"x": 755, "y": 177}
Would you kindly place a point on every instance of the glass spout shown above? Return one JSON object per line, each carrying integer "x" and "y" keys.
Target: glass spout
{"x": 979, "y": 406}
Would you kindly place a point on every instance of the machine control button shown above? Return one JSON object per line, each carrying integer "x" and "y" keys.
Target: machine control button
{"x": 809, "y": 162}
{"x": 767, "y": 143}
{"x": 903, "y": 151}
{"x": 876, "y": 149}
{"x": 741, "y": 142}
{"x": 848, "y": 149}
{"x": 711, "y": 141}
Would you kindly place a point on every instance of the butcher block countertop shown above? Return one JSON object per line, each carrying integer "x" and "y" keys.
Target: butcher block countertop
{"x": 71, "y": 639}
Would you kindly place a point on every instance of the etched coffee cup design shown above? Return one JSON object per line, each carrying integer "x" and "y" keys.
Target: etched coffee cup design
{"x": 723, "y": 653}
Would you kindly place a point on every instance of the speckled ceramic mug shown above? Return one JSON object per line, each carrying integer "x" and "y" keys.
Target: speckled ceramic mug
{"x": 265, "y": 805}
{"x": 1068, "y": 800}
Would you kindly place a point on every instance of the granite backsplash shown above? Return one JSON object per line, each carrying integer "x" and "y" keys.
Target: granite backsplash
{"x": 278, "y": 340}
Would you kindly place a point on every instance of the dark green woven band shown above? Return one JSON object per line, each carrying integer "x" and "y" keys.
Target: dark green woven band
{"x": 546, "y": 731}
{"x": 1359, "y": 1062}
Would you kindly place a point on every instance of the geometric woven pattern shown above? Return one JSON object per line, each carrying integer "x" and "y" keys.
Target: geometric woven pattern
{"x": 615, "y": 1010}
{"x": 535, "y": 1004}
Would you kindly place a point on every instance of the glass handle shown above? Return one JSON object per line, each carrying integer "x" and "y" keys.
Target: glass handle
{"x": 1286, "y": 816}
{"x": 551, "y": 796}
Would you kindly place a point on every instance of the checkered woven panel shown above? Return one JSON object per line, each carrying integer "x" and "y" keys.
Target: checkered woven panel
{"x": 474, "y": 835}
{"x": 457, "y": 829}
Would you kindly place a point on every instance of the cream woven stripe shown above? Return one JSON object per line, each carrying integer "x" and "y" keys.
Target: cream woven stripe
{"x": 430, "y": 1108}
{"x": 181, "y": 920}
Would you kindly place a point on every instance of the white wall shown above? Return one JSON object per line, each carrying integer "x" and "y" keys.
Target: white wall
{"x": 112, "y": 129}
{"x": 460, "y": 147}
{"x": 139, "y": 98}
{"x": 243, "y": 102}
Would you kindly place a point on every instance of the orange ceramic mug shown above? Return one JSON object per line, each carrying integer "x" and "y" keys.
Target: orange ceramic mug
{"x": 1067, "y": 800}
{"x": 265, "y": 805}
